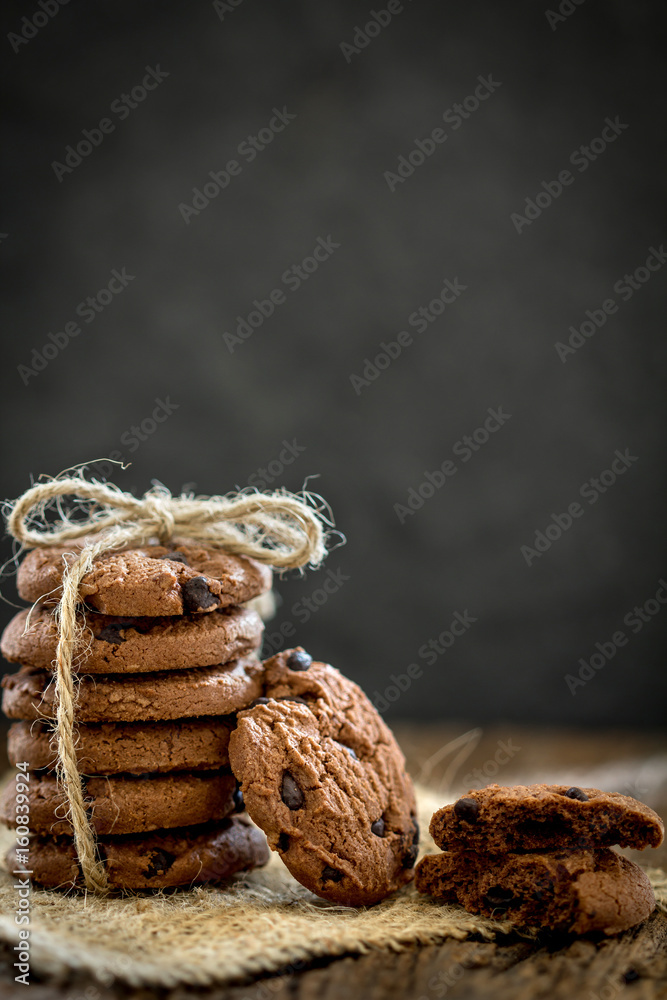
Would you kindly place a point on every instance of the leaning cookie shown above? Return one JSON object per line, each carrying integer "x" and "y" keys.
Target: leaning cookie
{"x": 128, "y": 747}
{"x": 196, "y": 855}
{"x": 323, "y": 776}
{"x": 126, "y": 804}
{"x": 180, "y": 694}
{"x": 152, "y": 580}
{"x": 136, "y": 645}
{"x": 576, "y": 892}
{"x": 541, "y": 817}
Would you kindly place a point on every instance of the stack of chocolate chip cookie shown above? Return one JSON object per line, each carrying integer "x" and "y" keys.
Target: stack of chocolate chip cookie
{"x": 171, "y": 656}
{"x": 541, "y": 855}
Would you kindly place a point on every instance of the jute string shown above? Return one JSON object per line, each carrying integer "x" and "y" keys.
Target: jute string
{"x": 279, "y": 528}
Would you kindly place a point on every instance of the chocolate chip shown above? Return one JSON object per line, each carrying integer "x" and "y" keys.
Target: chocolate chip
{"x": 410, "y": 857}
{"x": 283, "y": 842}
{"x": 330, "y": 874}
{"x": 498, "y": 897}
{"x": 111, "y": 633}
{"x": 378, "y": 827}
{"x": 290, "y": 792}
{"x": 298, "y": 659}
{"x": 631, "y": 976}
{"x": 562, "y": 874}
{"x": 415, "y": 836}
{"x": 239, "y": 804}
{"x": 160, "y": 862}
{"x": 196, "y": 595}
{"x": 260, "y": 701}
{"x": 466, "y": 809}
{"x": 176, "y": 557}
{"x": 576, "y": 793}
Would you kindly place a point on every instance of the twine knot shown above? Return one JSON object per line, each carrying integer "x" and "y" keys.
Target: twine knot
{"x": 161, "y": 514}
{"x": 279, "y": 528}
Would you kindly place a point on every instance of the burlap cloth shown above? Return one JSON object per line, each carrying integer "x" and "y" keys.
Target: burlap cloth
{"x": 261, "y": 922}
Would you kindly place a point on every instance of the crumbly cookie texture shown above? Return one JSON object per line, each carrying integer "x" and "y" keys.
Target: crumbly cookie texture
{"x": 179, "y": 694}
{"x": 519, "y": 818}
{"x": 152, "y": 580}
{"x": 127, "y": 804}
{"x": 577, "y": 892}
{"x": 208, "y": 853}
{"x": 128, "y": 747}
{"x": 323, "y": 776}
{"x": 138, "y": 644}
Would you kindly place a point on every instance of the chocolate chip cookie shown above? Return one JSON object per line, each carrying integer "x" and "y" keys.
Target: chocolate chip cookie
{"x": 152, "y": 580}
{"x": 520, "y": 818}
{"x": 180, "y": 694}
{"x": 126, "y": 804}
{"x": 198, "y": 854}
{"x": 579, "y": 892}
{"x": 136, "y": 645}
{"x": 323, "y": 776}
{"x": 129, "y": 747}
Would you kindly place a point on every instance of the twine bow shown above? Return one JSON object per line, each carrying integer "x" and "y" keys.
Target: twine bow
{"x": 279, "y": 528}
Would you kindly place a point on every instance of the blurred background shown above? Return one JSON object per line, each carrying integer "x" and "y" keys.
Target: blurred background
{"x": 362, "y": 164}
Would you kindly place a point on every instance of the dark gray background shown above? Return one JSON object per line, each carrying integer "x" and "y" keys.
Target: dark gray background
{"x": 162, "y": 337}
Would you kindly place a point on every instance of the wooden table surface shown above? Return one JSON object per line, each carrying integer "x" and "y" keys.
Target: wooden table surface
{"x": 632, "y": 966}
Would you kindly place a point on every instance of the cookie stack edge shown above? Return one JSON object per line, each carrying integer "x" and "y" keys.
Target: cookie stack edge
{"x": 170, "y": 657}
